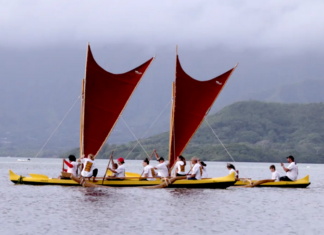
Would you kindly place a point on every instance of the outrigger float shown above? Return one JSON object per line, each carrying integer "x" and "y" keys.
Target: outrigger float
{"x": 300, "y": 183}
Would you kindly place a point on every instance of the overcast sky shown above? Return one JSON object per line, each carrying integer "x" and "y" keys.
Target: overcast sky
{"x": 288, "y": 26}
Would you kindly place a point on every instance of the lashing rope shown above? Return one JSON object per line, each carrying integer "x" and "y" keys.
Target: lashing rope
{"x": 148, "y": 129}
{"x": 219, "y": 139}
{"x": 135, "y": 136}
{"x": 58, "y": 126}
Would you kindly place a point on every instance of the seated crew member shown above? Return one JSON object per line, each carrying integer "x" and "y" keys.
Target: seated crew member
{"x": 114, "y": 167}
{"x": 232, "y": 169}
{"x": 275, "y": 174}
{"x": 291, "y": 170}
{"x": 120, "y": 171}
{"x": 148, "y": 170}
{"x": 180, "y": 166}
{"x": 162, "y": 168}
{"x": 89, "y": 169}
{"x": 196, "y": 171}
{"x": 72, "y": 165}
{"x": 204, "y": 169}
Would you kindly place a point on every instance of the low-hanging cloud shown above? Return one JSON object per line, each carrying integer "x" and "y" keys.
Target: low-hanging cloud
{"x": 292, "y": 26}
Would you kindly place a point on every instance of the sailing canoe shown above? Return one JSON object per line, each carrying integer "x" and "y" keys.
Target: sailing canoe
{"x": 212, "y": 183}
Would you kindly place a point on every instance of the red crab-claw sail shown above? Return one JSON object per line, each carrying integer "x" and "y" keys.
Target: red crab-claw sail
{"x": 192, "y": 99}
{"x": 105, "y": 97}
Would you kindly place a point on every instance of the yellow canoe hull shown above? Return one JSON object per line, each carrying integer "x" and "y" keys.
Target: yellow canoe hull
{"x": 37, "y": 179}
{"x": 300, "y": 183}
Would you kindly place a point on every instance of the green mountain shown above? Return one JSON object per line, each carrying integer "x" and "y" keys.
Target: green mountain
{"x": 250, "y": 130}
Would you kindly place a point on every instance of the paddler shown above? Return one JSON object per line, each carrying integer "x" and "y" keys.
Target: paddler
{"x": 162, "y": 168}
{"x": 232, "y": 169}
{"x": 275, "y": 174}
{"x": 180, "y": 166}
{"x": 291, "y": 170}
{"x": 89, "y": 169}
{"x": 148, "y": 171}
{"x": 120, "y": 171}
{"x": 72, "y": 165}
{"x": 203, "y": 166}
{"x": 196, "y": 171}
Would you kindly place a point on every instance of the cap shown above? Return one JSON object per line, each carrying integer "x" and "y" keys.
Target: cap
{"x": 120, "y": 160}
{"x": 161, "y": 159}
{"x": 291, "y": 157}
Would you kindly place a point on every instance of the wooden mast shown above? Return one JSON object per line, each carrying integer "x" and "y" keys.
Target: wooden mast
{"x": 82, "y": 106}
{"x": 82, "y": 119}
{"x": 172, "y": 115}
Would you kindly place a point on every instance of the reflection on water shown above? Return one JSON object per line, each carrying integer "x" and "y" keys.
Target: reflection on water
{"x": 76, "y": 210}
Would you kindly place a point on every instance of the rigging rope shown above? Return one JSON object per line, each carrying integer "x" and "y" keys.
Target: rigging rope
{"x": 148, "y": 129}
{"x": 219, "y": 139}
{"x": 135, "y": 136}
{"x": 58, "y": 126}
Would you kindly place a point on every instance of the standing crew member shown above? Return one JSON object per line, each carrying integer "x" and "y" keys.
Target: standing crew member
{"x": 120, "y": 171}
{"x": 196, "y": 171}
{"x": 291, "y": 170}
{"x": 148, "y": 170}
{"x": 275, "y": 174}
{"x": 162, "y": 168}
{"x": 180, "y": 166}
{"x": 89, "y": 169}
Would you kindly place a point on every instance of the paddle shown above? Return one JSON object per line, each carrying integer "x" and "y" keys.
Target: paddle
{"x": 104, "y": 177}
{"x": 63, "y": 166}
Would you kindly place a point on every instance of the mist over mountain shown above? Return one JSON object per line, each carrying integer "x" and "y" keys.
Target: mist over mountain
{"x": 40, "y": 85}
{"x": 43, "y": 53}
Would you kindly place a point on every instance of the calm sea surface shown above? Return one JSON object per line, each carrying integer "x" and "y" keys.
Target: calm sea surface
{"x": 75, "y": 210}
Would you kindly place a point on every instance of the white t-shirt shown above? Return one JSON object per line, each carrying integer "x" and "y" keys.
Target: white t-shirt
{"x": 73, "y": 170}
{"x": 178, "y": 166}
{"x": 231, "y": 171}
{"x": 196, "y": 171}
{"x": 88, "y": 166}
{"x": 204, "y": 172}
{"x": 162, "y": 169}
{"x": 293, "y": 171}
{"x": 148, "y": 170}
{"x": 120, "y": 171}
{"x": 275, "y": 176}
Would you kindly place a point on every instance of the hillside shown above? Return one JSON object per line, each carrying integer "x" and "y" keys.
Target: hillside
{"x": 37, "y": 91}
{"x": 251, "y": 131}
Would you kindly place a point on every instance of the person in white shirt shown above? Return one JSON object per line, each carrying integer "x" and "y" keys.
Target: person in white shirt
{"x": 232, "y": 169}
{"x": 180, "y": 166}
{"x": 291, "y": 170}
{"x": 72, "y": 165}
{"x": 120, "y": 171}
{"x": 196, "y": 171}
{"x": 162, "y": 168}
{"x": 275, "y": 174}
{"x": 89, "y": 169}
{"x": 148, "y": 171}
{"x": 204, "y": 170}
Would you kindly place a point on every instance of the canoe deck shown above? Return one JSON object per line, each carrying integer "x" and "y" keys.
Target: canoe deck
{"x": 300, "y": 183}
{"x": 213, "y": 183}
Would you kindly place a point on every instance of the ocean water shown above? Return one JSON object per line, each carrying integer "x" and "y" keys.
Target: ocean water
{"x": 61, "y": 210}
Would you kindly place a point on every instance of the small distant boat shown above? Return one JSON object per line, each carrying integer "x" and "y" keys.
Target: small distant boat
{"x": 24, "y": 160}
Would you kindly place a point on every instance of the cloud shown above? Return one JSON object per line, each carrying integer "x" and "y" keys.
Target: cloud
{"x": 290, "y": 26}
